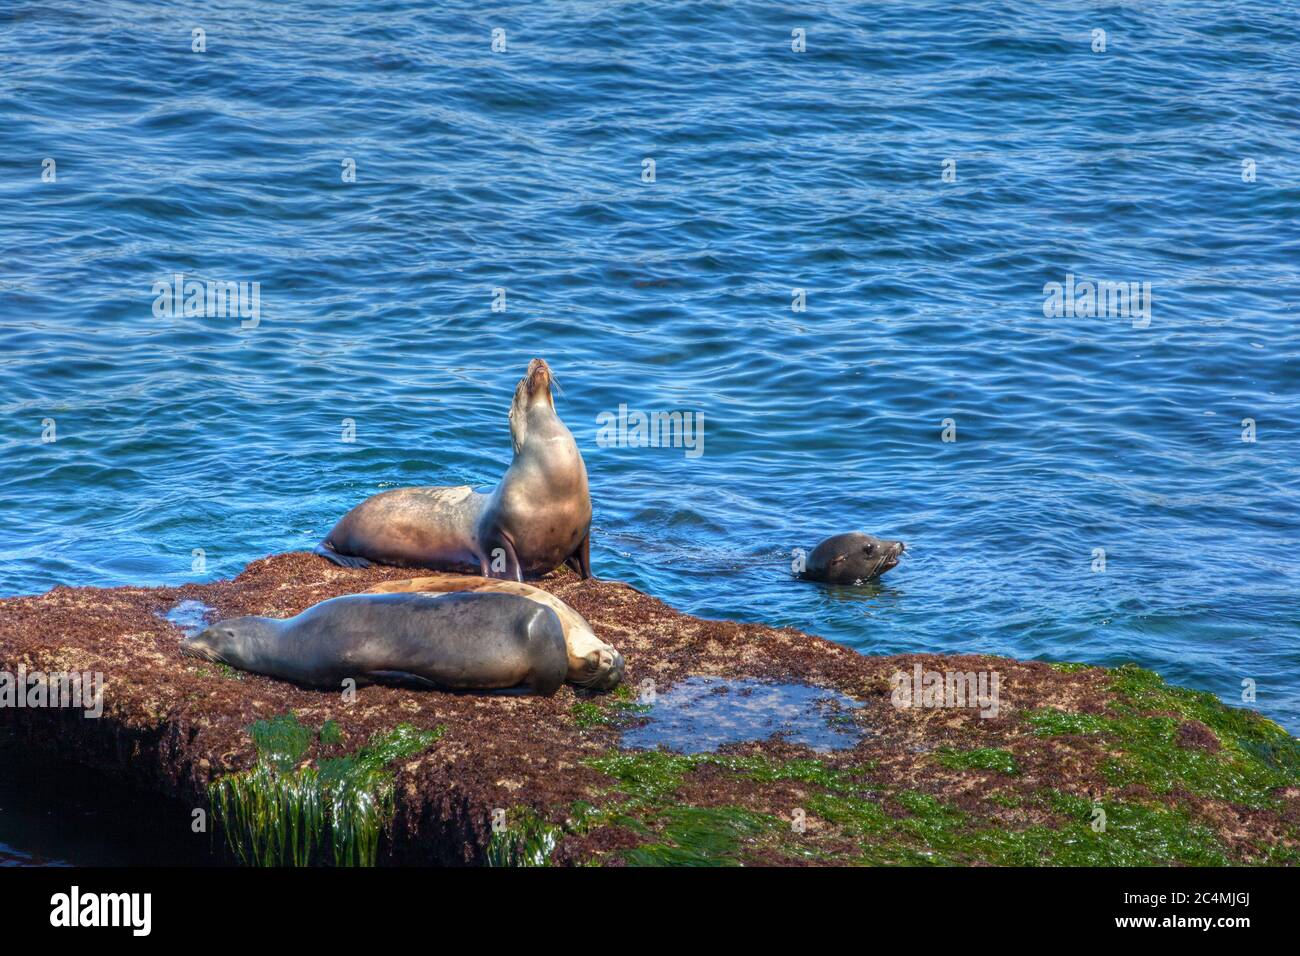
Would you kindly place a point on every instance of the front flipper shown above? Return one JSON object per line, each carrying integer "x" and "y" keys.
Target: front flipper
{"x": 580, "y": 560}
{"x": 342, "y": 560}
{"x": 501, "y": 561}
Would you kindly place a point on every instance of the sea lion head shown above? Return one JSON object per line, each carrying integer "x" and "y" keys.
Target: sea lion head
{"x": 602, "y": 669}
{"x": 853, "y": 558}
{"x": 237, "y": 642}
{"x": 533, "y": 406}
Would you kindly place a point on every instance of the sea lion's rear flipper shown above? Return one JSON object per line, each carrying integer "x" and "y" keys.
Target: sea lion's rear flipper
{"x": 343, "y": 560}
{"x": 580, "y": 560}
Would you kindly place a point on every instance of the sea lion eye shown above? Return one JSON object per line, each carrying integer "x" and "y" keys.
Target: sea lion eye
{"x": 868, "y": 549}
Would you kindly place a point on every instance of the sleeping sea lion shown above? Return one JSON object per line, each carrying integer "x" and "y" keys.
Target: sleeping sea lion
{"x": 592, "y": 662}
{"x": 447, "y": 641}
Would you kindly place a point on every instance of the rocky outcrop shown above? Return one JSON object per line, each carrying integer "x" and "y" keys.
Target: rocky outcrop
{"x": 1079, "y": 765}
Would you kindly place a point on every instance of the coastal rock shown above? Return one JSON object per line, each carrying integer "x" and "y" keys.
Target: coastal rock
{"x": 1046, "y": 764}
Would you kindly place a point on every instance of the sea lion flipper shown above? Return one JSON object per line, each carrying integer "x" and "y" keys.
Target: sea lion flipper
{"x": 580, "y": 560}
{"x": 501, "y": 547}
{"x": 343, "y": 560}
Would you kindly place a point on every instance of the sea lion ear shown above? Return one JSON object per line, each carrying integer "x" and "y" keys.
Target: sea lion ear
{"x": 838, "y": 559}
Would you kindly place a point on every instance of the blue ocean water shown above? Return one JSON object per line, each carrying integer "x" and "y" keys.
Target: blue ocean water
{"x": 774, "y": 170}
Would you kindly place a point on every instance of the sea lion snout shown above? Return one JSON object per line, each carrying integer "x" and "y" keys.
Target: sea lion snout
{"x": 203, "y": 645}
{"x": 878, "y": 556}
{"x": 539, "y": 374}
{"x": 886, "y": 553}
{"x": 536, "y": 384}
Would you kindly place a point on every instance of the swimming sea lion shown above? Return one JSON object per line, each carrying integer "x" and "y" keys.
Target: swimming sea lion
{"x": 449, "y": 641}
{"x": 852, "y": 558}
{"x": 536, "y": 519}
{"x": 592, "y": 662}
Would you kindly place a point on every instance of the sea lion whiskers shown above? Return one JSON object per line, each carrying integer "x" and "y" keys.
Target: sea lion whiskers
{"x": 606, "y": 670}
{"x": 888, "y": 557}
{"x": 197, "y": 646}
{"x": 202, "y": 652}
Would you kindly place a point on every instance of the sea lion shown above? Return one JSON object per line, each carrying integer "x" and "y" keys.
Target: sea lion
{"x": 592, "y": 662}
{"x": 448, "y": 641}
{"x": 536, "y": 519}
{"x": 852, "y": 558}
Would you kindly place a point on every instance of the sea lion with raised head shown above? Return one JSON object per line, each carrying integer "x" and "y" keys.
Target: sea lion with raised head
{"x": 446, "y": 641}
{"x": 536, "y": 519}
{"x": 852, "y": 558}
{"x": 592, "y": 662}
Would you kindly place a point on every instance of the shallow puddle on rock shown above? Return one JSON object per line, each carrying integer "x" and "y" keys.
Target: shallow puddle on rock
{"x": 191, "y": 616}
{"x": 701, "y": 714}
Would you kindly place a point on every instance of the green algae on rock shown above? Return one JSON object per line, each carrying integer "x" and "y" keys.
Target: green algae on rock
{"x": 1162, "y": 748}
{"x": 279, "y": 813}
{"x": 883, "y": 826}
{"x": 1173, "y": 738}
{"x": 613, "y": 709}
{"x": 981, "y": 758}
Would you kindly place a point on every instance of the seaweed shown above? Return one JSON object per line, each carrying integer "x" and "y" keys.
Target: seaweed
{"x": 524, "y": 840}
{"x": 283, "y": 812}
{"x": 701, "y": 836}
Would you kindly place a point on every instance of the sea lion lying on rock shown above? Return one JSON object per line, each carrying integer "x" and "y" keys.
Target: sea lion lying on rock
{"x": 852, "y": 558}
{"x": 592, "y": 662}
{"x": 448, "y": 641}
{"x": 536, "y": 519}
